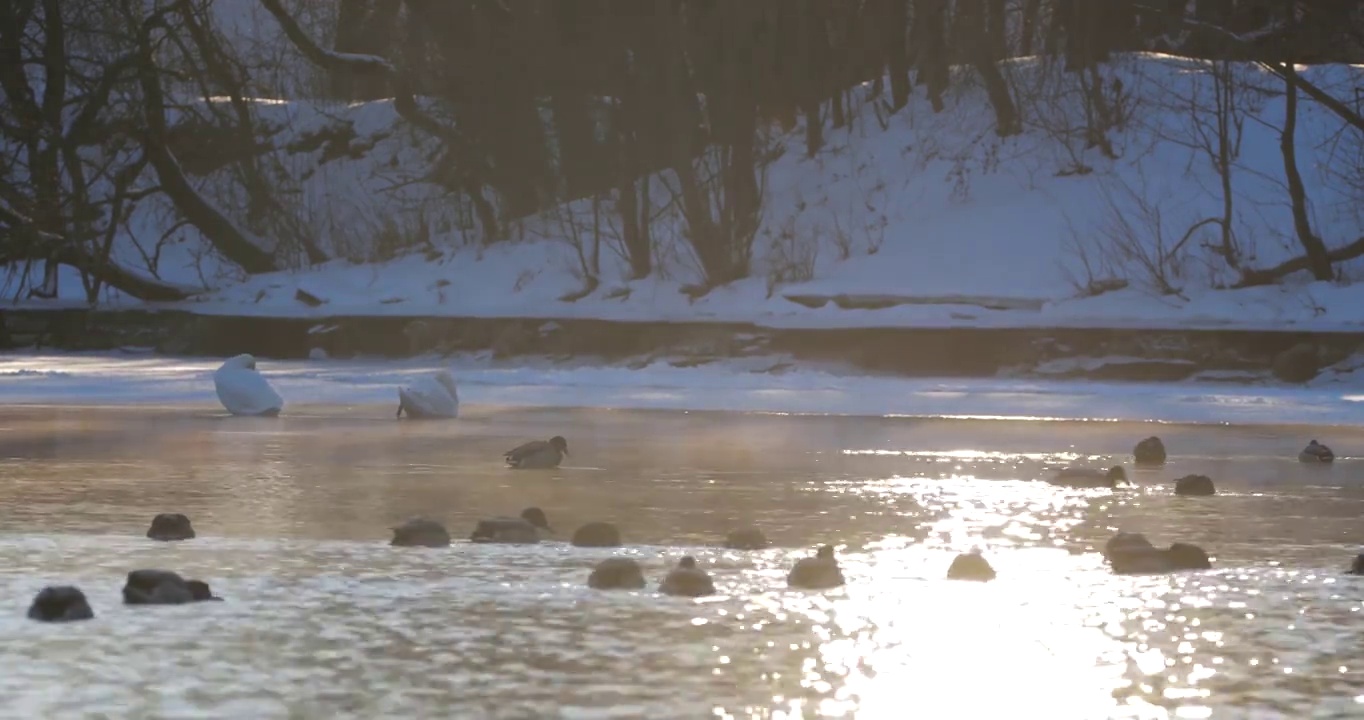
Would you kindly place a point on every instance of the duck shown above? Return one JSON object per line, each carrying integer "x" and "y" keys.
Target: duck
{"x": 818, "y": 572}
{"x": 1315, "y": 452}
{"x": 971, "y": 566}
{"x": 527, "y": 529}
{"x": 687, "y": 579}
{"x": 1078, "y": 477}
{"x": 163, "y": 587}
{"x": 1133, "y": 554}
{"x": 1357, "y": 565}
{"x": 537, "y": 454}
{"x": 242, "y": 390}
{"x": 433, "y": 396}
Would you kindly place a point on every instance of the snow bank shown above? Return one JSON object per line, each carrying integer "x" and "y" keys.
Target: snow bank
{"x": 933, "y": 212}
{"x": 731, "y": 386}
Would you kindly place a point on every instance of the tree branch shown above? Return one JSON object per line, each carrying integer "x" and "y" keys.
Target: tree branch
{"x": 1254, "y": 278}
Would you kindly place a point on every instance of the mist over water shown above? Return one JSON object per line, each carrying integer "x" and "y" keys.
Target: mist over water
{"x": 324, "y": 619}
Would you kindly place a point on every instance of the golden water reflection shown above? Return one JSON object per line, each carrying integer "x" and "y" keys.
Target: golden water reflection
{"x": 325, "y": 620}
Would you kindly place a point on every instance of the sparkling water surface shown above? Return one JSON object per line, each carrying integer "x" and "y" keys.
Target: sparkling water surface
{"x": 323, "y": 619}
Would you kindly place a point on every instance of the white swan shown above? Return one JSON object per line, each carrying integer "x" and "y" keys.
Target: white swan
{"x": 430, "y": 397}
{"x": 243, "y": 390}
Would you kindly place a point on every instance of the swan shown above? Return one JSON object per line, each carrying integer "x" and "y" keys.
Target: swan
{"x": 243, "y": 390}
{"x": 430, "y": 397}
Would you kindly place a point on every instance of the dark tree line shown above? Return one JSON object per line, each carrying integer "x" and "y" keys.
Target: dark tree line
{"x": 534, "y": 102}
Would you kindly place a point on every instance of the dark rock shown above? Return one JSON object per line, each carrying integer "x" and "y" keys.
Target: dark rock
{"x": 1150, "y": 451}
{"x": 970, "y": 566}
{"x": 162, "y": 587}
{"x": 616, "y": 574}
{"x": 1297, "y": 364}
{"x": 1357, "y": 567}
{"x": 60, "y": 603}
{"x": 420, "y": 532}
{"x": 1194, "y": 485}
{"x": 308, "y": 298}
{"x": 597, "y": 534}
{"x": 746, "y": 538}
{"x": 170, "y": 526}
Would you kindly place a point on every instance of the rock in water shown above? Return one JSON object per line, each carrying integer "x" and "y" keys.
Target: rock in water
{"x": 616, "y": 574}
{"x": 1150, "y": 451}
{"x": 597, "y": 534}
{"x": 170, "y": 526}
{"x": 1195, "y": 485}
{"x": 746, "y": 538}
{"x": 420, "y": 532}
{"x": 60, "y": 603}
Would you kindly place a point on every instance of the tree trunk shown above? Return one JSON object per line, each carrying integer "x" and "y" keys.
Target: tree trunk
{"x": 1031, "y": 10}
{"x": 930, "y": 19}
{"x": 1319, "y": 262}
{"x": 972, "y": 17}
{"x": 897, "y": 53}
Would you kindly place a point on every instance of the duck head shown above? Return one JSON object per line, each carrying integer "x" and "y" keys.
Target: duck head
{"x": 559, "y": 443}
{"x": 1116, "y": 475}
{"x": 535, "y": 516}
{"x": 687, "y": 563}
{"x": 825, "y": 552}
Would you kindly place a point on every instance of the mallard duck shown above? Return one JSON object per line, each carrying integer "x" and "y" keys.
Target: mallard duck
{"x": 243, "y": 390}
{"x": 1195, "y": 485}
{"x": 1315, "y": 452}
{"x": 596, "y": 534}
{"x": 687, "y": 579}
{"x": 528, "y": 529}
{"x": 538, "y": 454}
{"x": 818, "y": 572}
{"x": 970, "y": 566}
{"x": 1133, "y": 554}
{"x": 1077, "y": 477}
{"x": 430, "y": 397}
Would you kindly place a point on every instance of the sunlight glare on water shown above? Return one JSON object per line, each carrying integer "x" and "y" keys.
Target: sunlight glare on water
{"x": 323, "y": 619}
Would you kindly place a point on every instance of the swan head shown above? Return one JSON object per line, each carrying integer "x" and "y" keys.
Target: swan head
{"x": 559, "y": 443}
{"x": 245, "y": 361}
{"x": 825, "y": 552}
{"x": 447, "y": 381}
{"x": 535, "y": 516}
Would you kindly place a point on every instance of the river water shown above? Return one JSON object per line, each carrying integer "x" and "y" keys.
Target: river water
{"x": 324, "y": 619}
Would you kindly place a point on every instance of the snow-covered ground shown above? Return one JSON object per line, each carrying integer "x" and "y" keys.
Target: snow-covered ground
{"x": 89, "y": 379}
{"x": 932, "y": 208}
